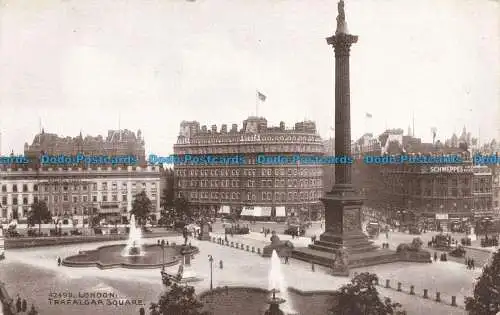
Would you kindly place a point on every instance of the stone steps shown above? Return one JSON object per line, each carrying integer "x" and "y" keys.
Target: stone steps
{"x": 351, "y": 250}
{"x": 355, "y": 261}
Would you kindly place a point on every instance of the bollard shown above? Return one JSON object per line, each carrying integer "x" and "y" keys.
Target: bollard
{"x": 453, "y": 300}
{"x": 438, "y": 297}
{"x": 387, "y": 283}
{"x": 412, "y": 290}
{"x": 399, "y": 286}
{"x": 426, "y": 294}
{"x": 253, "y": 249}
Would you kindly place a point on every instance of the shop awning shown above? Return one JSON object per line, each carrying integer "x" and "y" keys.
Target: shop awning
{"x": 247, "y": 211}
{"x": 256, "y": 211}
{"x": 280, "y": 212}
{"x": 265, "y": 212}
{"x": 225, "y": 209}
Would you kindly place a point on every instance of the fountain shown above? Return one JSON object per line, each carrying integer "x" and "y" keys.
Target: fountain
{"x": 277, "y": 284}
{"x": 134, "y": 243}
{"x": 134, "y": 254}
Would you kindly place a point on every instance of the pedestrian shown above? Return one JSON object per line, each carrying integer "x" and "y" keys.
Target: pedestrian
{"x": 158, "y": 243}
{"x": 312, "y": 266}
{"x": 142, "y": 311}
{"x": 435, "y": 256}
{"x": 59, "y": 261}
{"x": 286, "y": 259}
{"x": 24, "y": 305}
{"x": 162, "y": 242}
{"x": 221, "y": 265}
{"x": 33, "y": 310}
{"x": 18, "y": 304}
{"x": 472, "y": 264}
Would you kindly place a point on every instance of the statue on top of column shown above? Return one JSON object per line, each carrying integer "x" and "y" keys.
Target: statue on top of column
{"x": 341, "y": 22}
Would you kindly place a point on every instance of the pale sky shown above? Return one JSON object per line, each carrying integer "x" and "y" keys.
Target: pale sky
{"x": 82, "y": 64}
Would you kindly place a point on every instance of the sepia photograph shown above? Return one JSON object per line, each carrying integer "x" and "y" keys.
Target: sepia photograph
{"x": 249, "y": 157}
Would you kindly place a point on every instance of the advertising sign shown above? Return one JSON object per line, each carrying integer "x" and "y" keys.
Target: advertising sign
{"x": 441, "y": 216}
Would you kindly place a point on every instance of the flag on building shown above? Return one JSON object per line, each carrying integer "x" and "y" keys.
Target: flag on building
{"x": 261, "y": 96}
{"x": 368, "y": 115}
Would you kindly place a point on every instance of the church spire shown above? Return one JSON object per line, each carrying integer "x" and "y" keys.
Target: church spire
{"x": 341, "y": 22}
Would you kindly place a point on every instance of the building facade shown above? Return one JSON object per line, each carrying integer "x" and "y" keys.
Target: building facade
{"x": 496, "y": 190}
{"x": 77, "y": 193}
{"x": 117, "y": 142}
{"x": 444, "y": 194}
{"x": 296, "y": 187}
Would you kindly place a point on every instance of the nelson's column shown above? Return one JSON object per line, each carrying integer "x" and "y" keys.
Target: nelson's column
{"x": 343, "y": 244}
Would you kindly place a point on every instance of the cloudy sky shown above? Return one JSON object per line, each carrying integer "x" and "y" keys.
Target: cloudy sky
{"x": 82, "y": 64}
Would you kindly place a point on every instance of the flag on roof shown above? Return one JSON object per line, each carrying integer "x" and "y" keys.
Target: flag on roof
{"x": 261, "y": 96}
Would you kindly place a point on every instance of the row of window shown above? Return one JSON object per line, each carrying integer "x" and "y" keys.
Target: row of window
{"x": 75, "y": 199}
{"x": 234, "y": 183}
{"x": 292, "y": 171}
{"x": 265, "y": 196}
{"x": 84, "y": 186}
{"x": 247, "y": 149}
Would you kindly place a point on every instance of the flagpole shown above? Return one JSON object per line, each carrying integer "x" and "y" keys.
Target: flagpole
{"x": 257, "y": 100}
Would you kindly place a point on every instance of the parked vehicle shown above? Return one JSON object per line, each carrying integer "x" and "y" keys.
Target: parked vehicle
{"x": 373, "y": 229}
{"x": 414, "y": 230}
{"x": 296, "y": 230}
{"x": 75, "y": 232}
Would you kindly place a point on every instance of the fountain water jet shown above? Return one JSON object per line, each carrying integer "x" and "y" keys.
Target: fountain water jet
{"x": 134, "y": 243}
{"x": 277, "y": 282}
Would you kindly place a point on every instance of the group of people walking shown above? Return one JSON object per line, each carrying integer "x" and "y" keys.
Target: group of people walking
{"x": 470, "y": 263}
{"x": 442, "y": 257}
{"x": 22, "y": 306}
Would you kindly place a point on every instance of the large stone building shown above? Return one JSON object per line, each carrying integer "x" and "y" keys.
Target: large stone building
{"x": 77, "y": 193}
{"x": 443, "y": 193}
{"x": 251, "y": 188}
{"x": 410, "y": 193}
{"x": 79, "y": 190}
{"x": 117, "y": 142}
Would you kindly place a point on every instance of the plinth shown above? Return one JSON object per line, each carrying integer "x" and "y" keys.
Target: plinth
{"x": 343, "y": 245}
{"x": 204, "y": 232}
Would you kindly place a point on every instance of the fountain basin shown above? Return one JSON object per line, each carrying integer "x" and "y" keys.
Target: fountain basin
{"x": 251, "y": 301}
{"x": 110, "y": 256}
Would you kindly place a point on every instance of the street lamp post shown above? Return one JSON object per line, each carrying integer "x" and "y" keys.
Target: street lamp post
{"x": 163, "y": 250}
{"x": 211, "y": 260}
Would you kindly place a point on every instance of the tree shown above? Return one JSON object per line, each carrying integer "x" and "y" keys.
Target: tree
{"x": 361, "y": 297}
{"x": 486, "y": 299}
{"x": 178, "y": 300}
{"x": 39, "y": 214}
{"x": 182, "y": 208}
{"x": 168, "y": 196}
{"x": 141, "y": 207}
